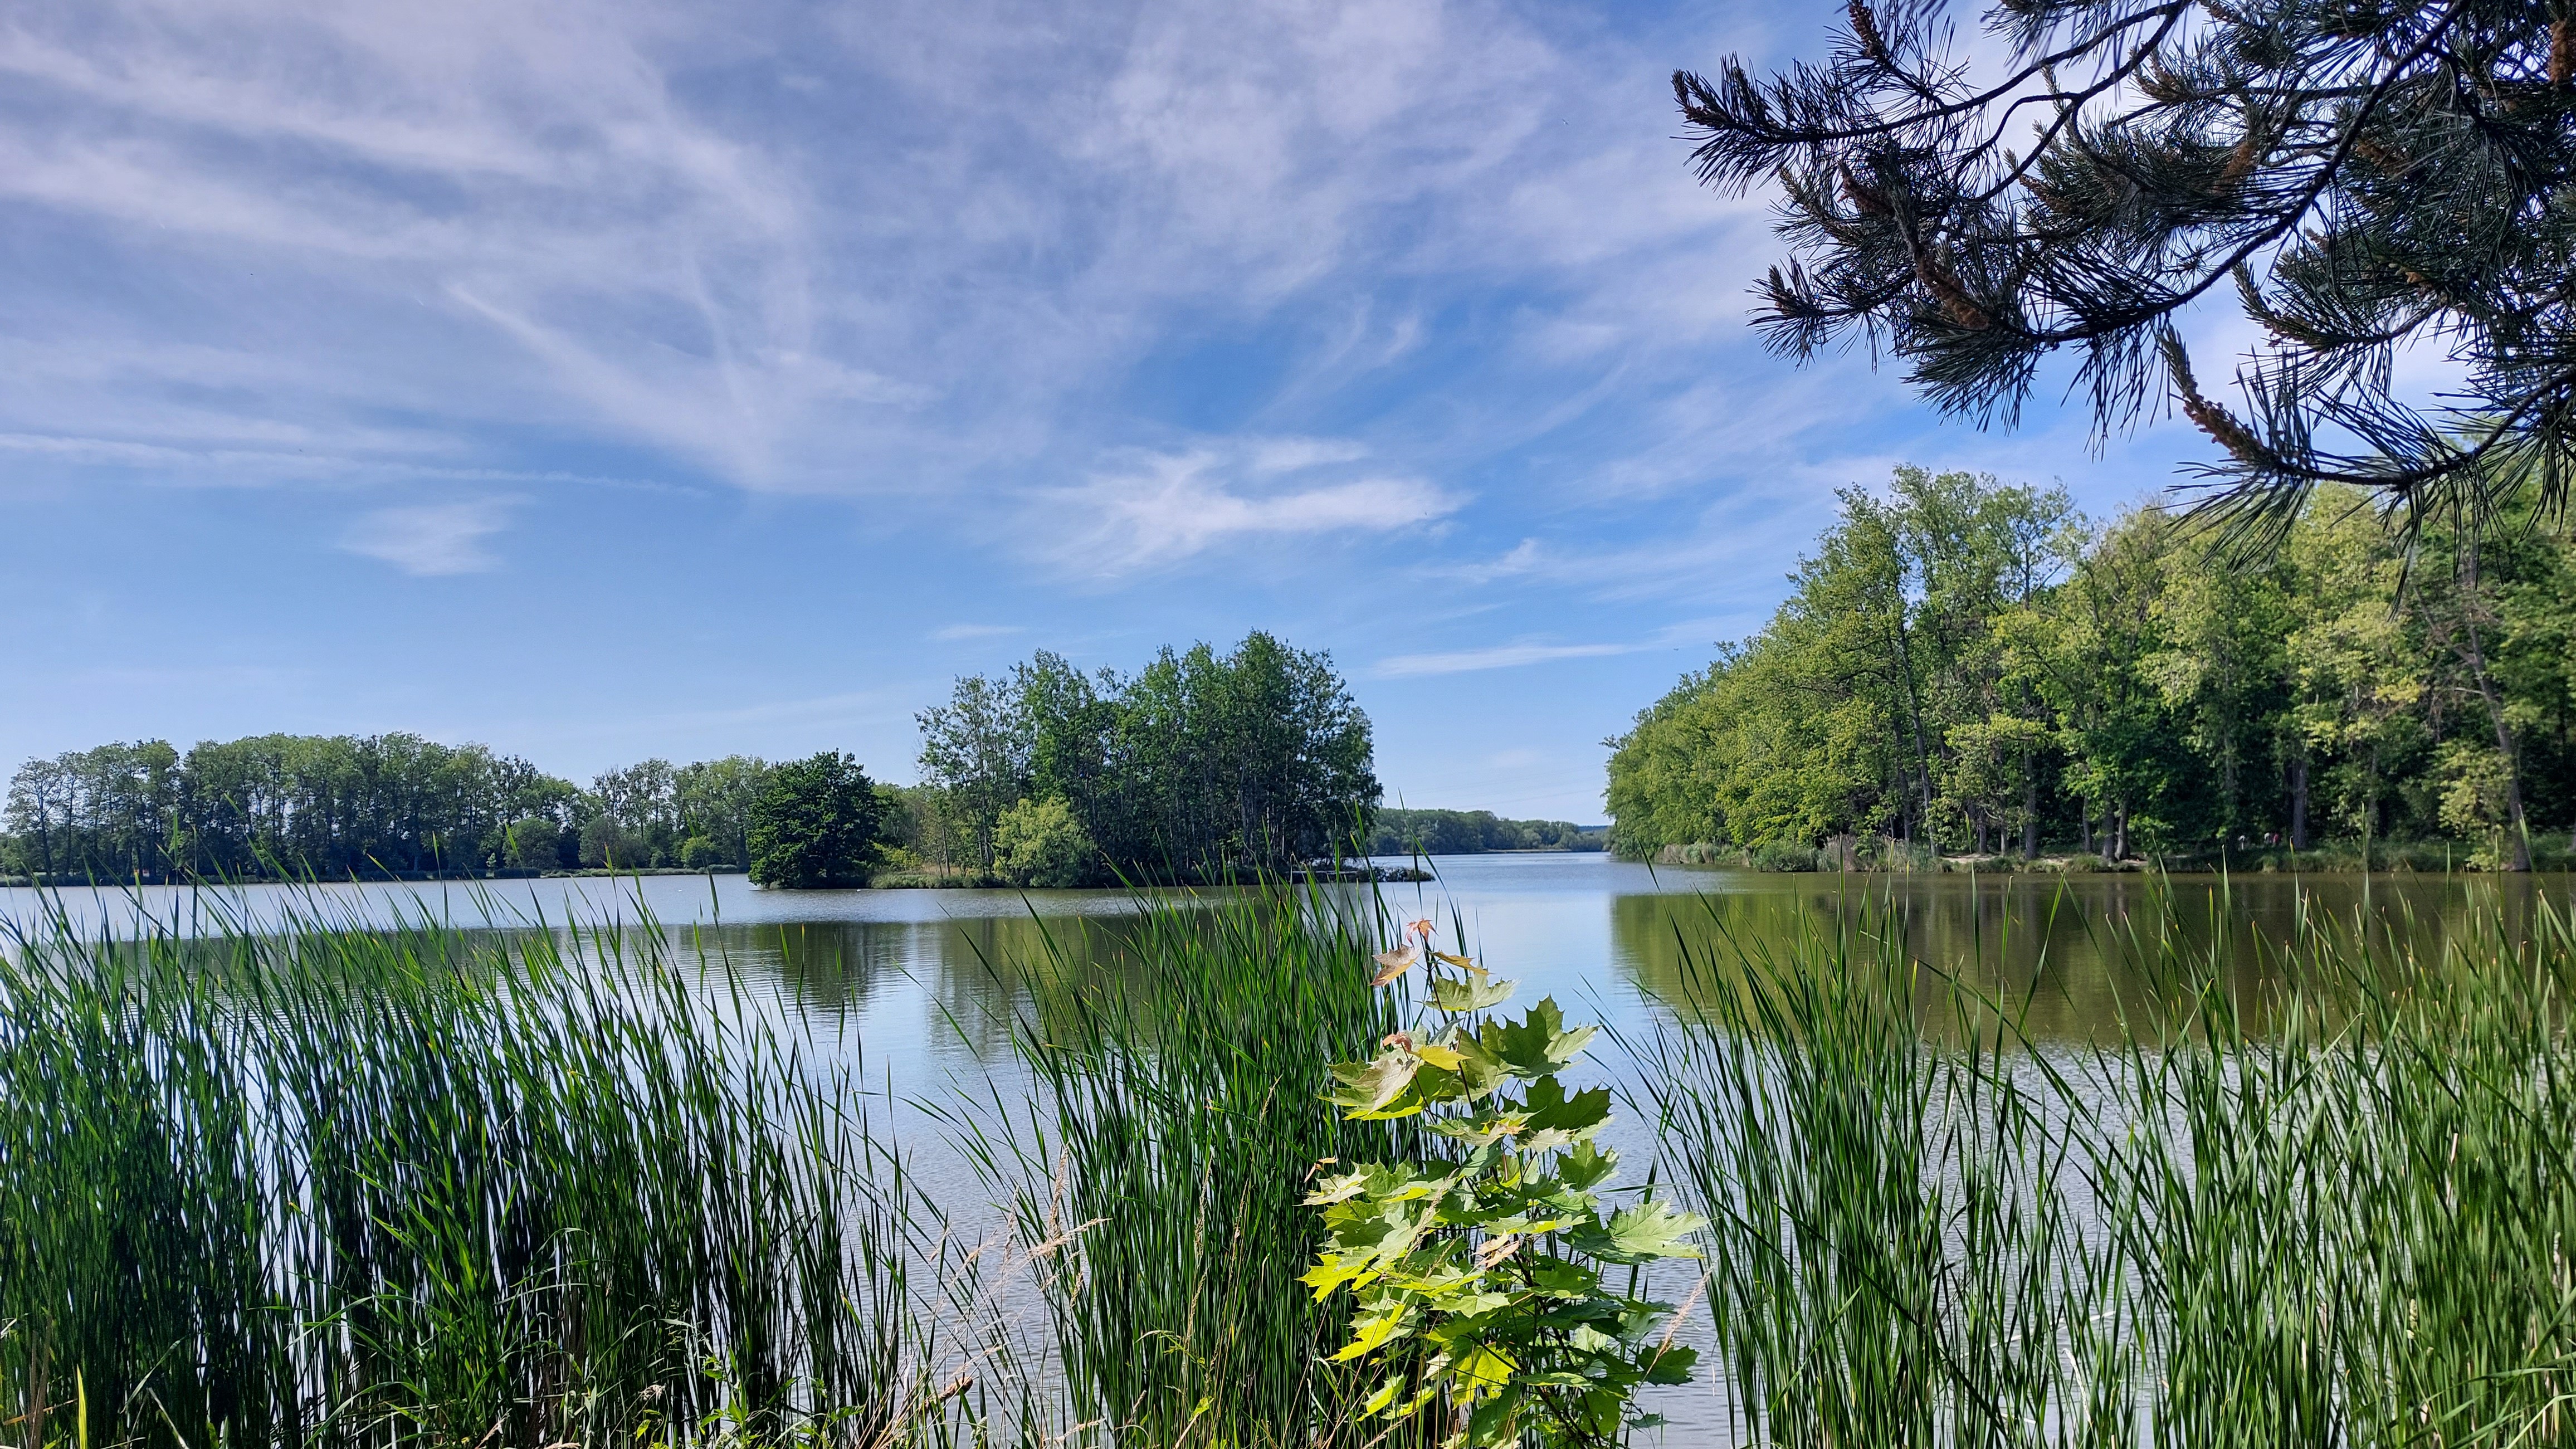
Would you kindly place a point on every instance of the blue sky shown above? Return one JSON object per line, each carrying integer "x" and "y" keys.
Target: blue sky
{"x": 610, "y": 380}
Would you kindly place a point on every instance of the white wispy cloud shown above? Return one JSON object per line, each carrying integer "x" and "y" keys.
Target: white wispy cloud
{"x": 432, "y": 540}
{"x": 1500, "y": 656}
{"x": 1162, "y": 508}
{"x": 955, "y": 632}
{"x": 869, "y": 279}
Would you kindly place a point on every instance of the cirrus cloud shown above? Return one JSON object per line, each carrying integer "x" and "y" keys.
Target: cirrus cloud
{"x": 1158, "y": 509}
{"x": 432, "y": 540}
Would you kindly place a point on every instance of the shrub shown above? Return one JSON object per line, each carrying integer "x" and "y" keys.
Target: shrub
{"x": 699, "y": 853}
{"x": 533, "y": 844}
{"x": 1483, "y": 1284}
{"x": 1777, "y": 855}
{"x": 1040, "y": 843}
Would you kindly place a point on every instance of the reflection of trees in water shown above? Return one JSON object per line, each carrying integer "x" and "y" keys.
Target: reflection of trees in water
{"x": 2074, "y": 949}
{"x": 974, "y": 973}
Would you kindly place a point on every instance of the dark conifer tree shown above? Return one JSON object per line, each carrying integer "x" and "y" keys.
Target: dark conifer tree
{"x": 2359, "y": 176}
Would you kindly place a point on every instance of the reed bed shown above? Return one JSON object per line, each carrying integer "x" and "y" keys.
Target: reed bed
{"x": 2337, "y": 1211}
{"x": 1157, "y": 1165}
{"x": 335, "y": 1184}
{"x": 362, "y": 1186}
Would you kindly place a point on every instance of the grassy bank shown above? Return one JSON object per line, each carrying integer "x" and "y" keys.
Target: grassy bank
{"x": 335, "y": 1185}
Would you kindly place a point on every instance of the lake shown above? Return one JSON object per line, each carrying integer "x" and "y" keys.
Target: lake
{"x": 919, "y": 978}
{"x": 917, "y": 988}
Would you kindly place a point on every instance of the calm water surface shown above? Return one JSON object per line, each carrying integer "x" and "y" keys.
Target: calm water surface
{"x": 921, "y": 984}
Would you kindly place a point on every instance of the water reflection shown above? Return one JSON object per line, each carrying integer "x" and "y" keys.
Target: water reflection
{"x": 928, "y": 981}
{"x": 2073, "y": 950}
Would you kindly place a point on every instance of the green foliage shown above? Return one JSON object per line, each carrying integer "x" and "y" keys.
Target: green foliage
{"x": 1774, "y": 856}
{"x": 411, "y": 1186}
{"x": 1039, "y": 843}
{"x": 2359, "y": 181}
{"x": 1970, "y": 667}
{"x": 333, "y": 807}
{"x": 713, "y": 800}
{"x": 1200, "y": 766}
{"x": 535, "y": 843}
{"x": 1472, "y": 832}
{"x": 1163, "y": 1156}
{"x": 815, "y": 825}
{"x": 339, "y": 807}
{"x": 1479, "y": 1281}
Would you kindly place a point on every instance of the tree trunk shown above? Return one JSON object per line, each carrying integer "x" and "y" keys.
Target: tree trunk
{"x": 2299, "y": 801}
{"x": 2030, "y": 819}
{"x": 2520, "y": 829}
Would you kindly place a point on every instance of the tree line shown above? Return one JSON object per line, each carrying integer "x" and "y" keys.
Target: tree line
{"x": 1472, "y": 832}
{"x": 342, "y": 806}
{"x": 1968, "y": 666}
{"x": 1198, "y": 766}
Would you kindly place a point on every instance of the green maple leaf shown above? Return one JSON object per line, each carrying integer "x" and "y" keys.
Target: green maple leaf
{"x": 1537, "y": 1044}
{"x": 1586, "y": 1166}
{"x": 1450, "y": 993}
{"x": 1557, "y": 1120}
{"x": 1636, "y": 1234}
{"x": 1669, "y": 1366}
{"x": 1368, "y": 1086}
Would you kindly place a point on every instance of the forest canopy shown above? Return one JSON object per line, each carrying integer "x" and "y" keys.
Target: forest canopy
{"x": 1975, "y": 667}
{"x": 1197, "y": 767}
{"x": 1473, "y": 832}
{"x": 333, "y": 807}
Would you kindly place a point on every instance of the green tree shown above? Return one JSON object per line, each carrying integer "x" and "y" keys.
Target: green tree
{"x": 2123, "y": 749}
{"x": 2219, "y": 668}
{"x": 1039, "y": 843}
{"x": 1851, "y": 710}
{"x": 975, "y": 749}
{"x": 641, "y": 802}
{"x": 1200, "y": 766}
{"x": 815, "y": 825}
{"x": 2357, "y": 678}
{"x": 2535, "y": 664}
{"x": 535, "y": 843}
{"x": 714, "y": 801}
{"x": 2356, "y": 178}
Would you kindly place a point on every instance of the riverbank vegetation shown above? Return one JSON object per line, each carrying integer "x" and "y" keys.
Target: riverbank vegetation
{"x": 1199, "y": 767}
{"x": 1968, "y": 667}
{"x": 417, "y": 1186}
{"x": 2328, "y": 1209}
{"x": 1473, "y": 832}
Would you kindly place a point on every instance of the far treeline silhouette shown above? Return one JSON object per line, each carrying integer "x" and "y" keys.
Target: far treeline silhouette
{"x": 1975, "y": 667}
{"x": 1198, "y": 766}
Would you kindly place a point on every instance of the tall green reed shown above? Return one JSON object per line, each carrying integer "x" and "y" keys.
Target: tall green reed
{"x": 1157, "y": 1167}
{"x": 2335, "y": 1213}
{"x": 347, "y": 1184}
